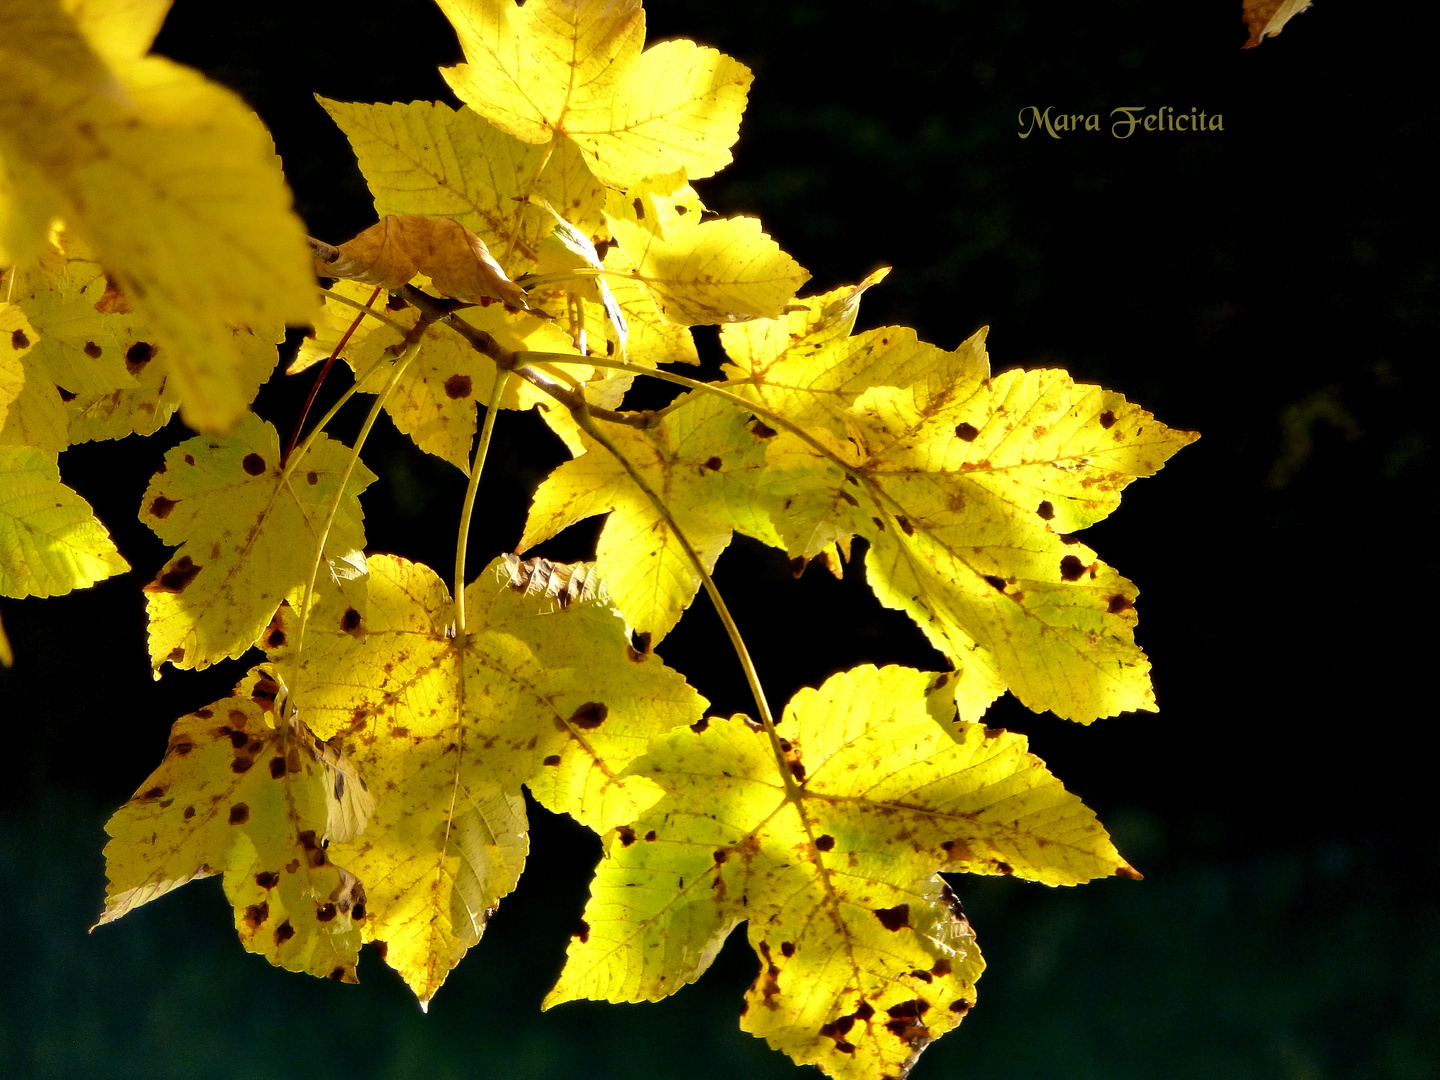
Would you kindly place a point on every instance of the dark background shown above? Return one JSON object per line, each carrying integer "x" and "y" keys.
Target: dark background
{"x": 1271, "y": 285}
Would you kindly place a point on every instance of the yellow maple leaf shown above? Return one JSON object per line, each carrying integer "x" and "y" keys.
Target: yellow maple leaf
{"x": 94, "y": 369}
{"x": 243, "y": 795}
{"x": 542, "y": 690}
{"x": 692, "y": 460}
{"x": 247, "y": 528}
{"x": 575, "y": 69}
{"x": 700, "y": 272}
{"x": 969, "y": 489}
{"x": 50, "y": 540}
{"x": 435, "y": 401}
{"x": 865, "y": 957}
{"x": 427, "y": 158}
{"x": 172, "y": 179}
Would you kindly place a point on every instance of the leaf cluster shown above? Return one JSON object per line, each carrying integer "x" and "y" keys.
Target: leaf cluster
{"x": 541, "y": 248}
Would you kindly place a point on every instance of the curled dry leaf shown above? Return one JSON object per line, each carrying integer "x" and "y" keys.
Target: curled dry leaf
{"x": 400, "y": 246}
{"x": 1266, "y": 18}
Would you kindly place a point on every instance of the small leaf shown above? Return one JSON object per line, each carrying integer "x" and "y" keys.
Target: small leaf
{"x": 50, "y": 540}
{"x": 242, "y": 794}
{"x": 247, "y": 529}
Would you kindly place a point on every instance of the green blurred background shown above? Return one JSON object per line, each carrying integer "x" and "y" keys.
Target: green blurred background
{"x": 1272, "y": 285}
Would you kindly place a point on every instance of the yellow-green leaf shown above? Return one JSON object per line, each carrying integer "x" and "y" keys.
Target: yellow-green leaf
{"x": 541, "y": 690}
{"x": 172, "y": 179}
{"x": 692, "y": 460}
{"x": 832, "y": 857}
{"x": 427, "y": 158}
{"x": 718, "y": 271}
{"x": 50, "y": 540}
{"x": 242, "y": 794}
{"x": 435, "y": 401}
{"x": 247, "y": 529}
{"x": 574, "y": 69}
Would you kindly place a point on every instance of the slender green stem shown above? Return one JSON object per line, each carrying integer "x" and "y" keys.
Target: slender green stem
{"x": 468, "y": 509}
{"x": 588, "y": 425}
{"x": 400, "y": 365}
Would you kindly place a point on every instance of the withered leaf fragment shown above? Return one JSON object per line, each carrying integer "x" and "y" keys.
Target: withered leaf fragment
{"x": 456, "y": 261}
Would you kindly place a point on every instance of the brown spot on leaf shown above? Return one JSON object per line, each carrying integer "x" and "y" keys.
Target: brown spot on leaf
{"x": 638, "y": 647}
{"x": 350, "y": 622}
{"x": 713, "y": 464}
{"x": 719, "y": 855}
{"x": 241, "y": 764}
{"x": 1129, "y": 872}
{"x": 18, "y": 340}
{"x": 256, "y": 914}
{"x": 878, "y": 523}
{"x": 626, "y": 834}
{"x": 639, "y": 208}
{"x": 312, "y": 478}
{"x": 760, "y": 430}
{"x": 189, "y": 459}
{"x": 253, "y": 464}
{"x": 153, "y": 793}
{"x": 1118, "y": 603}
{"x": 325, "y": 912}
{"x": 960, "y": 1006}
{"x": 160, "y": 507}
{"x": 1045, "y": 510}
{"x": 552, "y": 760}
{"x": 797, "y": 770}
{"x": 66, "y": 395}
{"x": 237, "y": 738}
{"x": 267, "y": 879}
{"x": 92, "y": 350}
{"x": 941, "y": 968}
{"x": 457, "y": 387}
{"x": 275, "y": 639}
{"x": 239, "y": 814}
{"x": 849, "y": 498}
{"x": 968, "y": 432}
{"x": 1003, "y": 867}
{"x": 189, "y": 812}
{"x": 1071, "y": 568}
{"x": 824, "y": 843}
{"x": 338, "y": 974}
{"x": 175, "y": 577}
{"x": 905, "y": 526}
{"x": 787, "y": 948}
{"x": 895, "y": 918}
{"x": 583, "y": 933}
{"x": 277, "y": 767}
{"x": 1107, "y": 419}
{"x": 590, "y": 715}
{"x": 998, "y": 582}
{"x": 138, "y": 355}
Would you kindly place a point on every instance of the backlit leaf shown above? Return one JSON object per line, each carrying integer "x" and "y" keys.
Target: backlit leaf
{"x": 1266, "y": 18}
{"x": 832, "y": 858}
{"x": 242, "y": 794}
{"x": 446, "y": 729}
{"x": 247, "y": 528}
{"x": 691, "y": 460}
{"x": 574, "y": 69}
{"x": 50, "y": 539}
{"x": 427, "y": 158}
{"x": 172, "y": 179}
